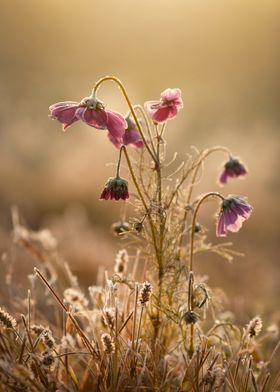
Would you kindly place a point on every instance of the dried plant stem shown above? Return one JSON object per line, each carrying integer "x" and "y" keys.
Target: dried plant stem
{"x": 135, "y": 316}
{"x": 139, "y": 327}
{"x": 29, "y": 309}
{"x": 80, "y": 331}
{"x": 123, "y": 90}
{"x": 248, "y": 375}
{"x": 115, "y": 355}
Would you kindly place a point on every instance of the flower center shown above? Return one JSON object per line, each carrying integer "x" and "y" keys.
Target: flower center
{"x": 92, "y": 103}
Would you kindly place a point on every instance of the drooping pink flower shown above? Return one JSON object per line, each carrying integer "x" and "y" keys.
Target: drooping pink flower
{"x": 92, "y": 112}
{"x": 232, "y": 168}
{"x": 234, "y": 211}
{"x": 115, "y": 189}
{"x": 64, "y": 112}
{"x": 168, "y": 106}
{"x": 131, "y": 136}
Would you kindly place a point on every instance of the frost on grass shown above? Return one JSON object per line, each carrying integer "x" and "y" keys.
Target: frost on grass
{"x": 156, "y": 324}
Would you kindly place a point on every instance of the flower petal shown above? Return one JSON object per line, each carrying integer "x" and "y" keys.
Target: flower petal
{"x": 133, "y": 137}
{"x": 116, "y": 123}
{"x": 94, "y": 118}
{"x": 64, "y": 112}
{"x": 117, "y": 141}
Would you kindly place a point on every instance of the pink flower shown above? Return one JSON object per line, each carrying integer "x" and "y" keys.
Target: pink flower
{"x": 234, "y": 211}
{"x": 115, "y": 189}
{"x": 64, "y": 112}
{"x": 168, "y": 106}
{"x": 232, "y": 168}
{"x": 92, "y": 112}
{"x": 131, "y": 136}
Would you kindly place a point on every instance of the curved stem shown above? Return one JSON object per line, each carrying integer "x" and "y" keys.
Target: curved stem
{"x": 204, "y": 197}
{"x": 191, "y": 274}
{"x": 204, "y": 155}
{"x": 123, "y": 90}
{"x": 142, "y": 111}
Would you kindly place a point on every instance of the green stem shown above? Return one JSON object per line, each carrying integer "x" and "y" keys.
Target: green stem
{"x": 204, "y": 155}
{"x": 119, "y": 162}
{"x": 142, "y": 111}
{"x": 203, "y": 198}
{"x": 191, "y": 274}
{"x": 161, "y": 230}
{"x": 142, "y": 199}
{"x": 123, "y": 90}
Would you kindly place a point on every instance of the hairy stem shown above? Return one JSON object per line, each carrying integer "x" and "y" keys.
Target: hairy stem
{"x": 191, "y": 274}
{"x": 142, "y": 200}
{"x": 131, "y": 108}
{"x": 203, "y": 156}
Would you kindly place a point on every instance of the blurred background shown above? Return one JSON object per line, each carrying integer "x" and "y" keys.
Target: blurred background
{"x": 225, "y": 58}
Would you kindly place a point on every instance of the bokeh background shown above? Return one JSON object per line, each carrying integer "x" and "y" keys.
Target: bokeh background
{"x": 224, "y": 55}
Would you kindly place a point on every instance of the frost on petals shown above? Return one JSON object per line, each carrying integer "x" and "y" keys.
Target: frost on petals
{"x": 64, "y": 112}
{"x": 92, "y": 112}
{"x": 168, "y": 106}
{"x": 234, "y": 211}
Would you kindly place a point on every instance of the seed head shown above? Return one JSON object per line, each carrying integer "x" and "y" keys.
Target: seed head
{"x": 47, "y": 338}
{"x": 6, "y": 319}
{"x": 108, "y": 345}
{"x": 145, "y": 293}
{"x": 254, "y": 327}
{"x": 47, "y": 359}
{"x": 109, "y": 317}
{"x": 190, "y": 317}
{"x": 37, "y": 329}
{"x": 75, "y": 298}
{"x": 214, "y": 379}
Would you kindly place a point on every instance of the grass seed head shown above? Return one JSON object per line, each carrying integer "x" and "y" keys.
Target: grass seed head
{"x": 145, "y": 293}
{"x": 7, "y": 320}
{"x": 254, "y": 327}
{"x": 108, "y": 344}
{"x": 47, "y": 338}
{"x": 47, "y": 359}
{"x": 109, "y": 317}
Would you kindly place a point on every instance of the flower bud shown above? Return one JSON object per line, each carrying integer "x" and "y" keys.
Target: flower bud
{"x": 115, "y": 189}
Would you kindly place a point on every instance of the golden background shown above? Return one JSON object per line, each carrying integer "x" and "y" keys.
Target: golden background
{"x": 224, "y": 55}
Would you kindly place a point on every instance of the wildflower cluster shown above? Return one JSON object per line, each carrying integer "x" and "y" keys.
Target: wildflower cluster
{"x": 155, "y": 324}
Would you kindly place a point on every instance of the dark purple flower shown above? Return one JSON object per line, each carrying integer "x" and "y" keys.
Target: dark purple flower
{"x": 234, "y": 210}
{"x": 115, "y": 189}
{"x": 232, "y": 168}
{"x": 131, "y": 136}
{"x": 92, "y": 112}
